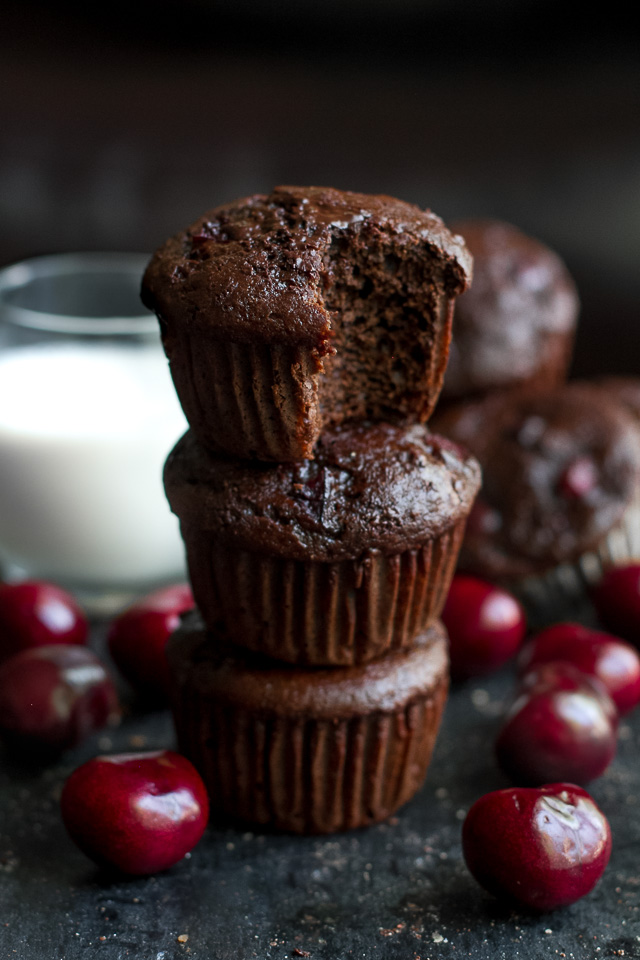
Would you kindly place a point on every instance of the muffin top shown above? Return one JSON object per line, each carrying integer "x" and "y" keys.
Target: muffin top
{"x": 258, "y": 267}
{"x": 559, "y": 470}
{"x": 371, "y": 486}
{"x": 521, "y": 294}
{"x": 252, "y": 682}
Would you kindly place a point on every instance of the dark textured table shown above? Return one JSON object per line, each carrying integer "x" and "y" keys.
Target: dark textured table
{"x": 397, "y": 891}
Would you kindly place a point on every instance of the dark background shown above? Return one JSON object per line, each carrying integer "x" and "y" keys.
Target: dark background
{"x": 121, "y": 122}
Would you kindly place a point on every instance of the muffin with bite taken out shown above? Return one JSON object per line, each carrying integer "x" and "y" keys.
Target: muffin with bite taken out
{"x": 288, "y": 313}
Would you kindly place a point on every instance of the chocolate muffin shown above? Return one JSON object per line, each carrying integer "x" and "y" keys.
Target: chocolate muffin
{"x": 285, "y": 314}
{"x": 515, "y": 327}
{"x": 307, "y": 750}
{"x": 623, "y": 390}
{"x": 332, "y": 561}
{"x": 561, "y": 489}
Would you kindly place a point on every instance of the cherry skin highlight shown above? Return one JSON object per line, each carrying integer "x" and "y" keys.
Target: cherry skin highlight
{"x": 36, "y": 614}
{"x": 486, "y": 626}
{"x": 612, "y": 661}
{"x": 139, "y": 813}
{"x": 617, "y": 600}
{"x": 542, "y": 847}
{"x": 562, "y": 726}
{"x": 52, "y": 698}
{"x": 137, "y": 639}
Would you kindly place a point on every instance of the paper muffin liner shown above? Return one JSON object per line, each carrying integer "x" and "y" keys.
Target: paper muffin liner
{"x": 308, "y": 775}
{"x": 562, "y": 593}
{"x": 330, "y": 614}
{"x": 268, "y": 401}
{"x": 251, "y": 401}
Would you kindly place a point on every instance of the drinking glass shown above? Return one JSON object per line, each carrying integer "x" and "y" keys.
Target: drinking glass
{"x": 87, "y": 416}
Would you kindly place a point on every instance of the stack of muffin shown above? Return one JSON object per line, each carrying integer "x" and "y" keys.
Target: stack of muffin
{"x": 307, "y": 333}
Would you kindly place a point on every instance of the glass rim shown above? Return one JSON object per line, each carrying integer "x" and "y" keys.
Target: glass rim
{"x": 19, "y": 275}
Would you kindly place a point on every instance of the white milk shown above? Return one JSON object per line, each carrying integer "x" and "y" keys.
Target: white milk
{"x": 84, "y": 432}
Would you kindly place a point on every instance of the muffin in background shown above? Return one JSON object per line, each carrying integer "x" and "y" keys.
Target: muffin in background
{"x": 288, "y": 313}
{"x": 332, "y": 561}
{"x": 625, "y": 390}
{"x": 307, "y": 750}
{"x": 560, "y": 498}
{"x": 515, "y": 327}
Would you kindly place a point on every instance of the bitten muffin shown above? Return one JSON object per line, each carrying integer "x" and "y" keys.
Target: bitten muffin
{"x": 307, "y": 750}
{"x": 285, "y": 314}
{"x": 515, "y": 327}
{"x": 329, "y": 561}
{"x": 561, "y": 489}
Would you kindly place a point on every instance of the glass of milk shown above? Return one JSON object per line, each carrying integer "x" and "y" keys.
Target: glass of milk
{"x": 88, "y": 415}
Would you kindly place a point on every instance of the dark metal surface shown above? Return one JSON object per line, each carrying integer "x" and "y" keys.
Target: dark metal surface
{"x": 397, "y": 891}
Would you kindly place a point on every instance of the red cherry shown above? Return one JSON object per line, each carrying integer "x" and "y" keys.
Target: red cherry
{"x": 52, "y": 698}
{"x": 36, "y": 614}
{"x": 617, "y": 600}
{"x": 486, "y": 626}
{"x": 615, "y": 663}
{"x": 137, "y": 812}
{"x": 578, "y": 479}
{"x": 563, "y": 725}
{"x": 137, "y": 638}
{"x": 558, "y": 632}
{"x": 562, "y": 675}
{"x": 542, "y": 847}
